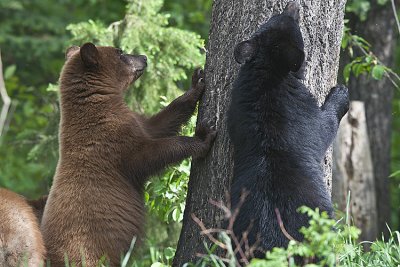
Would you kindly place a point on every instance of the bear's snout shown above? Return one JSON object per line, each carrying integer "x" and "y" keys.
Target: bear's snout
{"x": 136, "y": 62}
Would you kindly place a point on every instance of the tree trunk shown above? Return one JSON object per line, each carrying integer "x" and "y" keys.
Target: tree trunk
{"x": 353, "y": 171}
{"x": 233, "y": 21}
{"x": 378, "y": 30}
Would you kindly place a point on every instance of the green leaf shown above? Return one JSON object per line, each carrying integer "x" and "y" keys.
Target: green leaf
{"x": 358, "y": 69}
{"x": 10, "y": 70}
{"x": 176, "y": 214}
{"x": 368, "y": 59}
{"x": 345, "y": 41}
{"x": 346, "y": 72}
{"x": 378, "y": 71}
{"x": 169, "y": 253}
{"x": 52, "y": 88}
{"x": 351, "y": 51}
{"x": 396, "y": 173}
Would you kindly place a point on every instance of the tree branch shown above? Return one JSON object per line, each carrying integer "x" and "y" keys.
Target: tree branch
{"x": 282, "y": 226}
{"x": 395, "y": 15}
{"x": 6, "y": 100}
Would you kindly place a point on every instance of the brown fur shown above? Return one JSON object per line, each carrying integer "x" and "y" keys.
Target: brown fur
{"x": 38, "y": 206}
{"x": 20, "y": 237}
{"x": 107, "y": 152}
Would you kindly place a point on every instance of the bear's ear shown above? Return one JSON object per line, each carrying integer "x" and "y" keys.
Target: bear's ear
{"x": 89, "y": 55}
{"x": 70, "y": 51}
{"x": 245, "y": 51}
{"x": 294, "y": 57}
{"x": 292, "y": 9}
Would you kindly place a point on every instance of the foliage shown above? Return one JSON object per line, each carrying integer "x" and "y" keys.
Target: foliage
{"x": 32, "y": 40}
{"x": 158, "y": 258}
{"x": 326, "y": 243}
{"x": 33, "y": 33}
{"x": 21, "y": 174}
{"x": 320, "y": 241}
{"x": 368, "y": 63}
{"x": 190, "y": 15}
{"x": 165, "y": 195}
{"x": 362, "y": 7}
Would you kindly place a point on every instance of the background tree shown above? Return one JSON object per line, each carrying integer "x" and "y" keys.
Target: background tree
{"x": 231, "y": 22}
{"x": 375, "y": 22}
{"x": 353, "y": 172}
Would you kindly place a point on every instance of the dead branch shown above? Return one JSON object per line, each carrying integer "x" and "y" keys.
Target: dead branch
{"x": 278, "y": 216}
{"x": 204, "y": 232}
{"x": 232, "y": 219}
{"x": 220, "y": 205}
{"x": 201, "y": 255}
{"x": 239, "y": 244}
{"x": 6, "y": 99}
{"x": 243, "y": 196}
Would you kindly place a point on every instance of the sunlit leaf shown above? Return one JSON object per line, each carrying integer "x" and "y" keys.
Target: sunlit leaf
{"x": 378, "y": 71}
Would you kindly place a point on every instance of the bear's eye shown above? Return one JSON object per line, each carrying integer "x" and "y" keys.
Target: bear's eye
{"x": 119, "y": 51}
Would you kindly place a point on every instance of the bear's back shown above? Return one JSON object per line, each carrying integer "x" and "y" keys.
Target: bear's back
{"x": 93, "y": 188}
{"x": 276, "y": 119}
{"x": 276, "y": 155}
{"x": 20, "y": 237}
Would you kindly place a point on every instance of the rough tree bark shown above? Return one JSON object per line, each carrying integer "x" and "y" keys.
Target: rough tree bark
{"x": 233, "y": 21}
{"x": 379, "y": 30}
{"x": 353, "y": 171}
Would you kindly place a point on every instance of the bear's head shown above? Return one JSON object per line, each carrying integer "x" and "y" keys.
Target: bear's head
{"x": 277, "y": 45}
{"x": 103, "y": 69}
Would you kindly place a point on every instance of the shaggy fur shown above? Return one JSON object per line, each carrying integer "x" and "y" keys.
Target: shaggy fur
{"x": 280, "y": 134}
{"x": 107, "y": 152}
{"x": 20, "y": 238}
{"x": 38, "y": 206}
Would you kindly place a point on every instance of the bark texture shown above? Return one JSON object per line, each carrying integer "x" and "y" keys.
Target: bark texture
{"x": 353, "y": 171}
{"x": 379, "y": 31}
{"x": 234, "y": 21}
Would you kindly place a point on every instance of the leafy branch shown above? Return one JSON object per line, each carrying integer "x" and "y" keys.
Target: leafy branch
{"x": 367, "y": 63}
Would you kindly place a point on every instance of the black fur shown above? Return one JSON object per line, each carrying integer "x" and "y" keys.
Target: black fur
{"x": 280, "y": 134}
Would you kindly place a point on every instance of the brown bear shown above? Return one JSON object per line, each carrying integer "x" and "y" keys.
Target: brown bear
{"x": 38, "y": 206}
{"x": 107, "y": 152}
{"x": 21, "y": 242}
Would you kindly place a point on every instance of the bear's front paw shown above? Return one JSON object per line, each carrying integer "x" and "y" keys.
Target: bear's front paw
{"x": 207, "y": 136}
{"x": 338, "y": 98}
{"x": 198, "y": 85}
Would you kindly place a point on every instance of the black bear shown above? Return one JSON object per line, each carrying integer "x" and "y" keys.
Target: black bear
{"x": 107, "y": 152}
{"x": 279, "y": 133}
